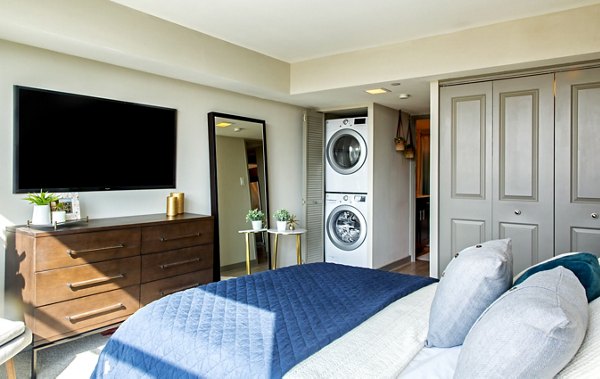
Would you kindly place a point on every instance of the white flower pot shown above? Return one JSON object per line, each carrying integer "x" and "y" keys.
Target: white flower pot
{"x": 256, "y": 225}
{"x": 59, "y": 216}
{"x": 41, "y": 215}
{"x": 281, "y": 225}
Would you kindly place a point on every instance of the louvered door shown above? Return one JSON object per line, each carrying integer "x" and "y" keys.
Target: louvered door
{"x": 314, "y": 190}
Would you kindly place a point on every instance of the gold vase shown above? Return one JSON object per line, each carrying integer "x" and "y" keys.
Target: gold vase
{"x": 171, "y": 206}
{"x": 180, "y": 201}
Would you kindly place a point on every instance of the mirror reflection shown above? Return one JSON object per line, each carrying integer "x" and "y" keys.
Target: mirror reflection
{"x": 241, "y": 185}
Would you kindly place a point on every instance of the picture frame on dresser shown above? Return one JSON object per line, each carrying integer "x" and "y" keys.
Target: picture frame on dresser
{"x": 70, "y": 201}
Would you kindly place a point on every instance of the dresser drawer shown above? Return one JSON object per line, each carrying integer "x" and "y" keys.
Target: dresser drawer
{"x": 176, "y": 236}
{"x": 76, "y": 316}
{"x": 72, "y": 282}
{"x": 176, "y": 262}
{"x": 76, "y": 249}
{"x": 159, "y": 288}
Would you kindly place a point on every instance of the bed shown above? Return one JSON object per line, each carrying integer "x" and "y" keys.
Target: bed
{"x": 310, "y": 321}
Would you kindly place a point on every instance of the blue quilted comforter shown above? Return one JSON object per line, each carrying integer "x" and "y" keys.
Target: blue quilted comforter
{"x": 253, "y": 326}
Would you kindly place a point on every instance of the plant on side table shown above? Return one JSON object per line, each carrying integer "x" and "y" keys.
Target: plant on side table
{"x": 256, "y": 216}
{"x": 282, "y": 216}
{"x": 41, "y": 206}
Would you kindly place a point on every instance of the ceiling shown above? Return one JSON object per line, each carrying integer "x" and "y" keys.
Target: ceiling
{"x": 300, "y": 30}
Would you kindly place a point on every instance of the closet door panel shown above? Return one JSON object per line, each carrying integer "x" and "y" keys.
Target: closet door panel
{"x": 525, "y": 239}
{"x": 577, "y": 161}
{"x": 523, "y": 135}
{"x": 465, "y": 168}
{"x": 467, "y": 233}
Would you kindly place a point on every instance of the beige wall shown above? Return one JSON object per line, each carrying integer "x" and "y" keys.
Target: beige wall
{"x": 568, "y": 36}
{"x": 108, "y": 32}
{"x": 391, "y": 182}
{"x": 23, "y": 65}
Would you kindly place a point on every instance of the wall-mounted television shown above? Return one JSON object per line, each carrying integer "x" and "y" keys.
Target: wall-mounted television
{"x": 70, "y": 143}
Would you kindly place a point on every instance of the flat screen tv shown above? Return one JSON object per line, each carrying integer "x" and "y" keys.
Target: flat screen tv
{"x": 69, "y": 143}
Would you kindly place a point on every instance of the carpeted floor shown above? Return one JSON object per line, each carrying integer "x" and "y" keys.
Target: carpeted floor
{"x": 75, "y": 359}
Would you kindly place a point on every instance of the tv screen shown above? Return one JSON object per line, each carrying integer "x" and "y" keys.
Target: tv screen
{"x": 70, "y": 143}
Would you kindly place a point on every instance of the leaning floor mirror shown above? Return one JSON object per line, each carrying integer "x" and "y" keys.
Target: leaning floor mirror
{"x": 238, "y": 168}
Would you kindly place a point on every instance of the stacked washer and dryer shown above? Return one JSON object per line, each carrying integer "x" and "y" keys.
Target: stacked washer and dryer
{"x": 346, "y": 192}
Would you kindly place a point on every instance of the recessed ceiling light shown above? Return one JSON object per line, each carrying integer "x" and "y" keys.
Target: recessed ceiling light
{"x": 404, "y": 96}
{"x": 377, "y": 91}
{"x": 224, "y": 124}
{"x": 238, "y": 129}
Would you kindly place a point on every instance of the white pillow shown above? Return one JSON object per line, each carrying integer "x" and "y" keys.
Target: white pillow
{"x": 532, "y": 331}
{"x": 586, "y": 363}
{"x": 476, "y": 277}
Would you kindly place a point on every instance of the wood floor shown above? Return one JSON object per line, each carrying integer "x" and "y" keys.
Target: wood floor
{"x": 419, "y": 267}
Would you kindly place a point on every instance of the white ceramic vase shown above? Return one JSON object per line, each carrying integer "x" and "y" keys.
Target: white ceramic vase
{"x": 59, "y": 217}
{"x": 256, "y": 225}
{"x": 281, "y": 225}
{"x": 41, "y": 215}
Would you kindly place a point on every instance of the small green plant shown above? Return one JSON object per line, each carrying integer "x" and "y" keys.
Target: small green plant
{"x": 255, "y": 215}
{"x": 282, "y": 215}
{"x": 42, "y": 198}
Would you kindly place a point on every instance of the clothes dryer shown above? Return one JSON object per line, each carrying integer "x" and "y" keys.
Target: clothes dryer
{"x": 346, "y": 229}
{"x": 346, "y": 150}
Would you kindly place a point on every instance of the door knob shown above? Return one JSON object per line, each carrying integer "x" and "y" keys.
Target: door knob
{"x": 517, "y": 212}
{"x": 594, "y": 215}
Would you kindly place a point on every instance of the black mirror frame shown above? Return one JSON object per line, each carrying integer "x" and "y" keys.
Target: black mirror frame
{"x": 214, "y": 196}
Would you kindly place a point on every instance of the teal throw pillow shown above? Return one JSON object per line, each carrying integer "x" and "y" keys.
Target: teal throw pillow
{"x": 584, "y": 265}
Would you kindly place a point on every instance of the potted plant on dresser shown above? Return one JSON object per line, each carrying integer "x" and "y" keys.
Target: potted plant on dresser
{"x": 256, "y": 216}
{"x": 41, "y": 207}
{"x": 282, "y": 216}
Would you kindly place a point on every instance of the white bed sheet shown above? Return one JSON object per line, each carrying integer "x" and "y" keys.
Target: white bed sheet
{"x": 391, "y": 344}
{"x": 380, "y": 347}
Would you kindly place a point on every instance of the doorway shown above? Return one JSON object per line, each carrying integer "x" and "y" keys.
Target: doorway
{"x": 422, "y": 191}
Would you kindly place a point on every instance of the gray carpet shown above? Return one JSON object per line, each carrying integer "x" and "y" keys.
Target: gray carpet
{"x": 75, "y": 359}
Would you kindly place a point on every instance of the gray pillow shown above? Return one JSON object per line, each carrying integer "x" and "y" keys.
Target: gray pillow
{"x": 532, "y": 331}
{"x": 476, "y": 277}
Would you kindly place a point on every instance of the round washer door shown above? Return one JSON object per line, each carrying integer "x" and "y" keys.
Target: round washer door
{"x": 346, "y": 227}
{"x": 346, "y": 151}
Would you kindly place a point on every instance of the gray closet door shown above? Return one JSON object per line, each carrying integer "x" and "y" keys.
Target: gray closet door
{"x": 523, "y": 168}
{"x": 465, "y": 213}
{"x": 578, "y": 161}
{"x": 314, "y": 190}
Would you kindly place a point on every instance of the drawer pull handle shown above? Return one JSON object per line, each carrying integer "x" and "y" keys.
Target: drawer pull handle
{"x": 75, "y": 252}
{"x": 95, "y": 312}
{"x": 165, "y": 239}
{"x": 169, "y": 265}
{"x": 173, "y": 290}
{"x": 92, "y": 282}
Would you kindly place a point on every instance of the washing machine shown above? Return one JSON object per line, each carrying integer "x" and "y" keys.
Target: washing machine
{"x": 346, "y": 229}
{"x": 346, "y": 153}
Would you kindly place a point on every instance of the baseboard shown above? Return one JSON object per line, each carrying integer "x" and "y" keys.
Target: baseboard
{"x": 397, "y": 263}
{"x": 238, "y": 265}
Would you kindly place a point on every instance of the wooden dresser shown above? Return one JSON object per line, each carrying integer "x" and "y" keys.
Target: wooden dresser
{"x": 96, "y": 274}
